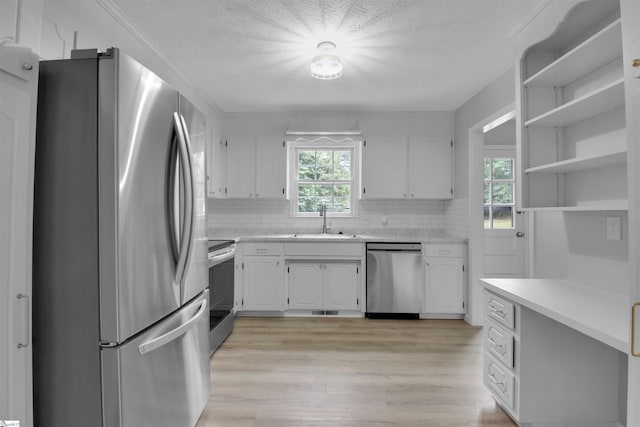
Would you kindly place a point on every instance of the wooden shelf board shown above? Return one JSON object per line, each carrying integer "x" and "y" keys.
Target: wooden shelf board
{"x": 583, "y": 163}
{"x": 605, "y": 99}
{"x": 598, "y": 50}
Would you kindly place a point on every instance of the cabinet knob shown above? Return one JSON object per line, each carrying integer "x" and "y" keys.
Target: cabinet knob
{"x": 635, "y": 62}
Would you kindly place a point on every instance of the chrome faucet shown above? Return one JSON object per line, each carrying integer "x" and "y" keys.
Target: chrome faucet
{"x": 323, "y": 214}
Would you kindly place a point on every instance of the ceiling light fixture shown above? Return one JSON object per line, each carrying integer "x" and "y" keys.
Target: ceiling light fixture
{"x": 326, "y": 65}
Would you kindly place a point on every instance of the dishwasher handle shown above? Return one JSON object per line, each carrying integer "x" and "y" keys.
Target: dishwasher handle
{"x": 397, "y": 247}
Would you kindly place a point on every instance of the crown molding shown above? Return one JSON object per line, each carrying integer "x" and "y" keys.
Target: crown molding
{"x": 112, "y": 9}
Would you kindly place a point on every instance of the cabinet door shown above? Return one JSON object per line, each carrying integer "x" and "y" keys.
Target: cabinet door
{"x": 17, "y": 127}
{"x": 305, "y": 286}
{"x": 430, "y": 168}
{"x": 238, "y": 283}
{"x": 341, "y": 282}
{"x": 240, "y": 168}
{"x": 444, "y": 285}
{"x": 216, "y": 166}
{"x": 384, "y": 163}
{"x": 263, "y": 285}
{"x": 270, "y": 168}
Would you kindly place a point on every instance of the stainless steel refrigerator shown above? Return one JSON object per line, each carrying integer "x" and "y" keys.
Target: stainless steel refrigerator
{"x": 120, "y": 313}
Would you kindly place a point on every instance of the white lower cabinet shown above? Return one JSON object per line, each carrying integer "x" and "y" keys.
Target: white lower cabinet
{"x": 444, "y": 267}
{"x": 263, "y": 288}
{"x": 544, "y": 373}
{"x": 323, "y": 285}
{"x": 261, "y": 271}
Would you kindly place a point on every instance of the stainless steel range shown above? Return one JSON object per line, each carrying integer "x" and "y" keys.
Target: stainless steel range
{"x": 221, "y": 282}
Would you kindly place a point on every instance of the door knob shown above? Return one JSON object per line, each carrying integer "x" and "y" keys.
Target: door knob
{"x": 635, "y": 62}
{"x": 519, "y": 234}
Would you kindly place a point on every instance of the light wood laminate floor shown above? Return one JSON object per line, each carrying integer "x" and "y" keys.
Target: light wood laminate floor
{"x": 307, "y": 372}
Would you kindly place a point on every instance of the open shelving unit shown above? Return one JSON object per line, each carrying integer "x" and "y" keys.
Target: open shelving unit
{"x": 572, "y": 113}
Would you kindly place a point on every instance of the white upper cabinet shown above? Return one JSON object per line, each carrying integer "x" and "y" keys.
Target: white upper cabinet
{"x": 407, "y": 168}
{"x": 270, "y": 168}
{"x": 216, "y": 166}
{"x": 255, "y": 168}
{"x": 430, "y": 168}
{"x": 384, "y": 168}
{"x": 240, "y": 168}
{"x": 572, "y": 139}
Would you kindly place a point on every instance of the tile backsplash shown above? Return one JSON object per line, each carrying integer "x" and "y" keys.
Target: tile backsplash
{"x": 380, "y": 216}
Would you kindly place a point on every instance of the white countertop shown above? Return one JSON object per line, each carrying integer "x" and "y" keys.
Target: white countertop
{"x": 604, "y": 316}
{"x": 347, "y": 236}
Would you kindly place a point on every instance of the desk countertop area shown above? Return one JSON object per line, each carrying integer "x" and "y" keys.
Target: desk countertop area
{"x": 602, "y": 315}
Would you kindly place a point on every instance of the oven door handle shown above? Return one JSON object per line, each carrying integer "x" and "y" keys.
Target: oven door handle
{"x": 218, "y": 259}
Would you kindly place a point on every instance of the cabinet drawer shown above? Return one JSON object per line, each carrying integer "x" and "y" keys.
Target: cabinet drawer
{"x": 262, "y": 248}
{"x": 499, "y": 343}
{"x": 499, "y": 380}
{"x": 501, "y": 310}
{"x": 323, "y": 249}
{"x": 437, "y": 250}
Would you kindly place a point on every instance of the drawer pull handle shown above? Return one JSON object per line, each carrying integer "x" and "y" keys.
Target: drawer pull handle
{"x": 499, "y": 347}
{"x": 502, "y": 386}
{"x": 261, "y": 250}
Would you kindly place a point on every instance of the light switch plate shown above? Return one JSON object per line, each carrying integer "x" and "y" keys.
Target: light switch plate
{"x": 614, "y": 225}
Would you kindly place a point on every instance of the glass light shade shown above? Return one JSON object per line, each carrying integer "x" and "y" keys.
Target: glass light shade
{"x": 326, "y": 65}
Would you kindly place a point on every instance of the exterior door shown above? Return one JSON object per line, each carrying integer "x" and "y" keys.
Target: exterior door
{"x": 631, "y": 53}
{"x": 503, "y": 225}
{"x": 18, "y": 90}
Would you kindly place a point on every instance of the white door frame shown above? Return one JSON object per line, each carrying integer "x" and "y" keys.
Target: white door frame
{"x": 475, "y": 140}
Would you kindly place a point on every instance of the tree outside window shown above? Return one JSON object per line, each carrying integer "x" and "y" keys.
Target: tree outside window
{"x": 499, "y": 193}
{"x": 324, "y": 177}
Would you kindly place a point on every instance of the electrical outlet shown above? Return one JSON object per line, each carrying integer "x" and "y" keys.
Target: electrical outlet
{"x": 614, "y": 226}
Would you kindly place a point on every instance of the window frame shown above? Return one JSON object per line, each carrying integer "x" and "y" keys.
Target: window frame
{"x": 322, "y": 143}
{"x": 500, "y": 153}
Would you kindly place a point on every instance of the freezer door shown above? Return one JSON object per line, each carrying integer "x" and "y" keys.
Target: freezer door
{"x": 139, "y": 260}
{"x": 160, "y": 378}
{"x": 196, "y": 273}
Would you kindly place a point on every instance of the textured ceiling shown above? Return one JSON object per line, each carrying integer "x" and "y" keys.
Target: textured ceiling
{"x": 399, "y": 55}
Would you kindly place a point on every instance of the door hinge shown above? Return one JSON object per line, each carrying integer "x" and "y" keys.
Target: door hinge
{"x": 452, "y": 191}
{"x": 357, "y": 301}
{"x": 364, "y": 190}
{"x": 242, "y": 302}
{"x": 225, "y": 190}
{"x": 452, "y": 142}
{"x": 226, "y": 143}
{"x": 243, "y": 265}
{"x": 288, "y": 270}
{"x": 462, "y": 304}
{"x": 287, "y": 301}
{"x": 364, "y": 143}
{"x": 283, "y": 190}
{"x": 357, "y": 270}
{"x": 463, "y": 268}
{"x": 282, "y": 144}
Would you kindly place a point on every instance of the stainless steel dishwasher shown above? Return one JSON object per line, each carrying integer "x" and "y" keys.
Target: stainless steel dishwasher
{"x": 394, "y": 280}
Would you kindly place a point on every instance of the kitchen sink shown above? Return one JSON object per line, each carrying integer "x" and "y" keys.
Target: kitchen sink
{"x": 325, "y": 236}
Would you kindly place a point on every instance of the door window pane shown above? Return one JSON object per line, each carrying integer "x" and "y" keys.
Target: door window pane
{"x": 502, "y": 217}
{"x": 499, "y": 193}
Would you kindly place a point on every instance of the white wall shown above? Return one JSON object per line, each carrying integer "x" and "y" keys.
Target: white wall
{"x": 273, "y": 216}
{"x": 492, "y": 99}
{"x": 98, "y": 24}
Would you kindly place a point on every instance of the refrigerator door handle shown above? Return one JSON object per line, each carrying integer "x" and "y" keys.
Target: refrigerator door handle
{"x": 191, "y": 193}
{"x": 185, "y": 235}
{"x": 166, "y": 338}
